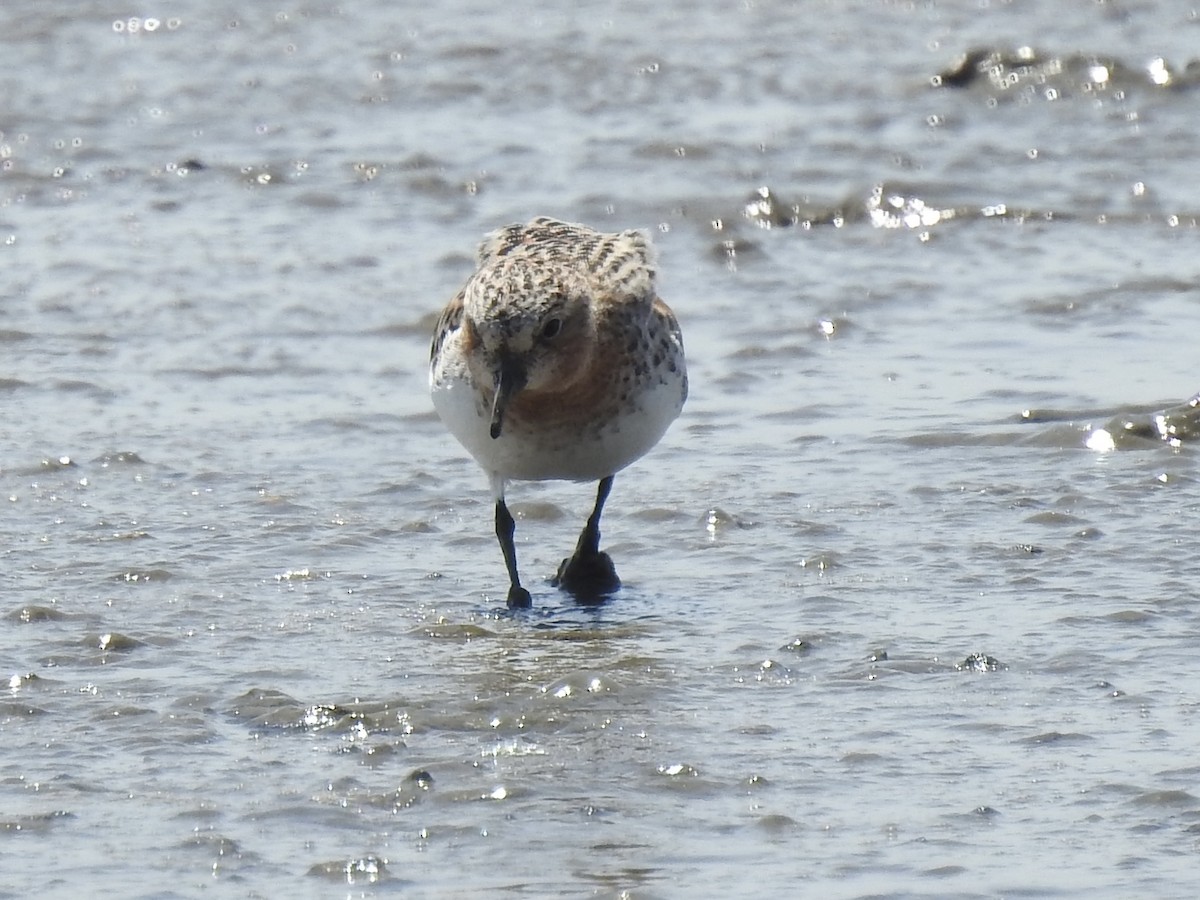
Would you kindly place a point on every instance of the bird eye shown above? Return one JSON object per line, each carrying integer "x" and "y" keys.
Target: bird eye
{"x": 552, "y": 328}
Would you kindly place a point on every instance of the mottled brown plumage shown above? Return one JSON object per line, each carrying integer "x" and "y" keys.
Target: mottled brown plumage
{"x": 557, "y": 360}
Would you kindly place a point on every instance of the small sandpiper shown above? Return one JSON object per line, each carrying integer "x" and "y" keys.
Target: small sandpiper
{"x": 557, "y": 360}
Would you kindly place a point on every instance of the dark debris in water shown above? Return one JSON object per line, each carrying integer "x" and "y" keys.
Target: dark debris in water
{"x": 1027, "y": 72}
{"x": 980, "y": 662}
{"x": 421, "y": 778}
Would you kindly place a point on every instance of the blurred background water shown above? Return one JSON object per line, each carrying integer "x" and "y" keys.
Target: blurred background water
{"x": 910, "y": 604}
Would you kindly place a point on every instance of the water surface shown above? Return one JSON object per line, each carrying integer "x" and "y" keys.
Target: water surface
{"x": 909, "y": 605}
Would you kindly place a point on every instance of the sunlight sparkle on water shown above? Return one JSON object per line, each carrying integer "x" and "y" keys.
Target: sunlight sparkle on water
{"x": 1100, "y": 441}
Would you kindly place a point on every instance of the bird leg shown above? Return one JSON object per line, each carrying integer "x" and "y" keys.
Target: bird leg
{"x": 588, "y": 574}
{"x": 518, "y": 597}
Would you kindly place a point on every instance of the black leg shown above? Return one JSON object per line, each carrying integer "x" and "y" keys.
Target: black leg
{"x": 518, "y": 597}
{"x": 588, "y": 574}
{"x": 589, "y": 541}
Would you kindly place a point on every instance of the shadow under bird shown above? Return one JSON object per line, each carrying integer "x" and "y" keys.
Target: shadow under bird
{"x": 558, "y": 361}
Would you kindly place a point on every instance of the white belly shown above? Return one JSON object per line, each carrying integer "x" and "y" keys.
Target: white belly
{"x": 589, "y": 453}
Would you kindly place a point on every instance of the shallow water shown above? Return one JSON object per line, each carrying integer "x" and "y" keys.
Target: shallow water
{"x": 910, "y": 603}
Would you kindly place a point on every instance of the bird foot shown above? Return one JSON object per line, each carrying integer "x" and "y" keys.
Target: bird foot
{"x": 518, "y": 598}
{"x": 588, "y": 577}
